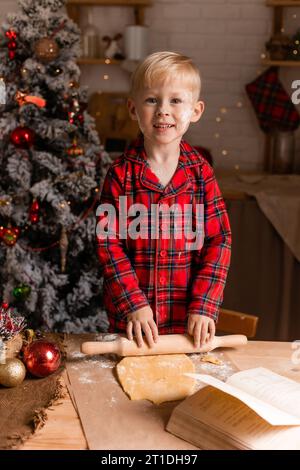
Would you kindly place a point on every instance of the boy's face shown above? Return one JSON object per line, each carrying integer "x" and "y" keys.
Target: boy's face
{"x": 165, "y": 111}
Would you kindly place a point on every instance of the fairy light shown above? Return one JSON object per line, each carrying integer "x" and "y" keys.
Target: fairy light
{"x": 69, "y": 202}
{"x": 282, "y": 30}
{"x": 224, "y": 152}
{"x": 62, "y": 204}
{"x": 107, "y": 61}
{"x": 223, "y": 110}
{"x": 295, "y": 16}
{"x": 297, "y": 42}
{"x": 218, "y": 119}
{"x": 295, "y": 52}
{"x": 105, "y": 77}
{"x": 217, "y": 135}
{"x": 239, "y": 104}
{"x": 97, "y": 190}
{"x": 263, "y": 55}
{"x": 236, "y": 167}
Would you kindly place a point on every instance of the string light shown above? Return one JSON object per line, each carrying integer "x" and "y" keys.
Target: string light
{"x": 223, "y": 110}
{"x": 218, "y": 119}
{"x": 263, "y": 55}
{"x": 237, "y": 167}
{"x": 105, "y": 77}
{"x": 239, "y": 104}
{"x": 97, "y": 190}
{"x": 217, "y": 135}
{"x": 107, "y": 61}
{"x": 282, "y": 30}
{"x": 294, "y": 16}
{"x": 224, "y": 152}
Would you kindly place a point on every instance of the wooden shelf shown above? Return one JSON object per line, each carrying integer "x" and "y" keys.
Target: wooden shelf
{"x": 281, "y": 63}
{"x": 92, "y": 61}
{"x": 283, "y": 3}
{"x": 110, "y": 3}
{"x": 74, "y": 7}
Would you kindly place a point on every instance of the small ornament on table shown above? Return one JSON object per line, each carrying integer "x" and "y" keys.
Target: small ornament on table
{"x": 63, "y": 244}
{"x": 46, "y": 50}
{"x": 11, "y": 324}
{"x": 22, "y": 137}
{"x": 11, "y": 327}
{"x": 42, "y": 357}
{"x": 112, "y": 47}
{"x": 12, "y": 373}
{"x": 9, "y": 235}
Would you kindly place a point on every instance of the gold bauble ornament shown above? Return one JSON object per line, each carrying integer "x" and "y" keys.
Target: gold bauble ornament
{"x": 46, "y": 50}
{"x": 12, "y": 373}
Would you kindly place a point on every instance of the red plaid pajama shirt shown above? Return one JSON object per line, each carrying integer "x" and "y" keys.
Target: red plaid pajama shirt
{"x": 159, "y": 271}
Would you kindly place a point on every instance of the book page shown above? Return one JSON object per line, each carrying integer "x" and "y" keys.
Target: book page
{"x": 210, "y": 419}
{"x": 279, "y": 391}
{"x": 267, "y": 411}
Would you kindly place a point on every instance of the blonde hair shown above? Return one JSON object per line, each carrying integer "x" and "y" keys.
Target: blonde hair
{"x": 161, "y": 65}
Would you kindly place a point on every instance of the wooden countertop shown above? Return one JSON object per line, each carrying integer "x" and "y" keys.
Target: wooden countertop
{"x": 63, "y": 429}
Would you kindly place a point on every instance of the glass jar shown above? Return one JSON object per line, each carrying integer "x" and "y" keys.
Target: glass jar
{"x": 90, "y": 37}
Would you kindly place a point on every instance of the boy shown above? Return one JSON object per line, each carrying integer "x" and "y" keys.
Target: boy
{"x": 155, "y": 279}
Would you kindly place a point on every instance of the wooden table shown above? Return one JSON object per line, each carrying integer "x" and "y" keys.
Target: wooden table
{"x": 63, "y": 429}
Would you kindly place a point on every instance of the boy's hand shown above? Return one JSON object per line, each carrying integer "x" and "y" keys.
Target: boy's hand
{"x": 202, "y": 328}
{"x": 142, "y": 321}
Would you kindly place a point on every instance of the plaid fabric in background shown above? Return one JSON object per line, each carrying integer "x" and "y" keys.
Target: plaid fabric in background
{"x": 272, "y": 104}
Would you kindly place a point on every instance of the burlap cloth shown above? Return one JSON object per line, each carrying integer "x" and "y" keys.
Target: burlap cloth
{"x": 23, "y": 408}
{"x": 278, "y": 197}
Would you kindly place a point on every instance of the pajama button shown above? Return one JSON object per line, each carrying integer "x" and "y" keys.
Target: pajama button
{"x": 163, "y": 253}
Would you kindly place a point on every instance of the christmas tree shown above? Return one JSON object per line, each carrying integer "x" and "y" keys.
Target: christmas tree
{"x": 52, "y": 167}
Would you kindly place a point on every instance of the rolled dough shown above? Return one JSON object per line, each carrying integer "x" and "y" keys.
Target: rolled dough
{"x": 156, "y": 378}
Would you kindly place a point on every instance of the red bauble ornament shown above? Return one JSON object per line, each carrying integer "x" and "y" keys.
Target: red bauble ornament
{"x": 22, "y": 137}
{"x": 42, "y": 358}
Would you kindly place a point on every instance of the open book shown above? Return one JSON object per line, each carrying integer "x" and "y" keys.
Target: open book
{"x": 253, "y": 409}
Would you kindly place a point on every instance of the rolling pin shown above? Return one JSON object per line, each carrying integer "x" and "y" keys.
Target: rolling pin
{"x": 166, "y": 344}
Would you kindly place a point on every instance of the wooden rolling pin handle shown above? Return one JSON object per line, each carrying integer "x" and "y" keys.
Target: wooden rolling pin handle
{"x": 167, "y": 344}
